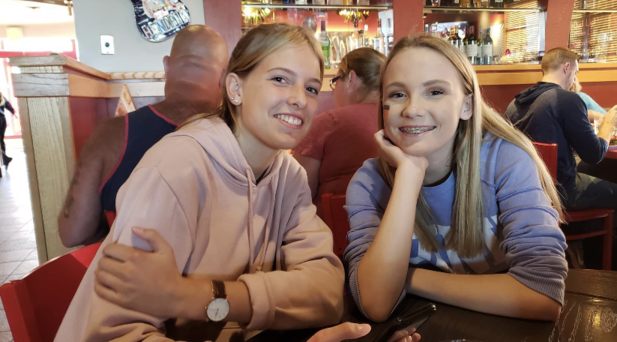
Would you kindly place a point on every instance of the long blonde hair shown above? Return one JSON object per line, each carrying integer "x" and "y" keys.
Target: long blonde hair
{"x": 256, "y": 45}
{"x": 466, "y": 236}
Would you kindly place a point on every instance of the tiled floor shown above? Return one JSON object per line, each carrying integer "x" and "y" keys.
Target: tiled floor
{"x": 18, "y": 254}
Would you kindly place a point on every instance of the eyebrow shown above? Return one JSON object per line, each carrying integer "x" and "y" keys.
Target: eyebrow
{"x": 433, "y": 82}
{"x": 289, "y": 71}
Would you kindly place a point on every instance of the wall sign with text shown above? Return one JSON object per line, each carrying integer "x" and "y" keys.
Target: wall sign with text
{"x": 159, "y": 20}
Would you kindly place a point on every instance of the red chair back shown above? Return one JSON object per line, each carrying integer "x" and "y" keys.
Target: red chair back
{"x": 36, "y": 304}
{"x": 548, "y": 153}
{"x": 335, "y": 217}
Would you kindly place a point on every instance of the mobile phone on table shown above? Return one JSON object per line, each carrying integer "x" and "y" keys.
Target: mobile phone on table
{"x": 411, "y": 313}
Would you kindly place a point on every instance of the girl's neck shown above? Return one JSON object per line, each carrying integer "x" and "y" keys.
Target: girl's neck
{"x": 258, "y": 156}
{"x": 439, "y": 165}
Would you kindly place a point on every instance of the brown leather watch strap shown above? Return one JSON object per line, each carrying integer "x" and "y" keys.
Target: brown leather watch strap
{"x": 218, "y": 289}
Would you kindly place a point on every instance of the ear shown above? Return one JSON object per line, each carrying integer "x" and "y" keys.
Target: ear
{"x": 467, "y": 111}
{"x": 233, "y": 85}
{"x": 166, "y": 64}
{"x": 352, "y": 79}
{"x": 566, "y": 67}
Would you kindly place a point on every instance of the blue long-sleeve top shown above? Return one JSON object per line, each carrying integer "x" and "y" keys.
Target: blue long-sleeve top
{"x": 520, "y": 229}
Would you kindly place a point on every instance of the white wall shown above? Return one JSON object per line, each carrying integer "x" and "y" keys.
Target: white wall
{"x": 44, "y": 30}
{"x": 116, "y": 17}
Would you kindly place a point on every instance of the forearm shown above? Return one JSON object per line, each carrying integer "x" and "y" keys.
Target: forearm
{"x": 194, "y": 295}
{"x": 498, "y": 294}
{"x": 388, "y": 256}
{"x": 606, "y": 131}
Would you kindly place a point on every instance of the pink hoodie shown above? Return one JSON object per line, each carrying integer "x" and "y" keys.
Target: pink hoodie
{"x": 196, "y": 188}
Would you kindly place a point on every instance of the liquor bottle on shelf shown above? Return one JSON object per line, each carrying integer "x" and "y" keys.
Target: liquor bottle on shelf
{"x": 454, "y": 40}
{"x": 324, "y": 41}
{"x": 319, "y": 2}
{"x": 470, "y": 46}
{"x": 462, "y": 34}
{"x": 389, "y": 38}
{"x": 479, "y": 44}
{"x": 435, "y": 3}
{"x": 456, "y": 3}
{"x": 355, "y": 40}
{"x": 497, "y": 3}
{"x": 347, "y": 2}
{"x": 365, "y": 39}
{"x": 484, "y": 3}
{"x": 288, "y": 2}
{"x": 378, "y": 41}
{"x": 301, "y": 2}
{"x": 463, "y": 3}
{"x": 487, "y": 48}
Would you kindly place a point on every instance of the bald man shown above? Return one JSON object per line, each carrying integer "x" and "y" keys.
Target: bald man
{"x": 193, "y": 70}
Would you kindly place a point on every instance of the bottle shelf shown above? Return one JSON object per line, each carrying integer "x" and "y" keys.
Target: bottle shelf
{"x": 318, "y": 7}
{"x": 438, "y": 9}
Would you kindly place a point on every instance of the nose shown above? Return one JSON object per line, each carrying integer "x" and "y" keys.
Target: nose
{"x": 414, "y": 107}
{"x": 297, "y": 96}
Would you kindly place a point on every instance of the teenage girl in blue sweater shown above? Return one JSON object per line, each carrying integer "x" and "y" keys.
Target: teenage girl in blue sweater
{"x": 456, "y": 189}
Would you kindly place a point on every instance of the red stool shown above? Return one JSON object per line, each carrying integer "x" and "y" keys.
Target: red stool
{"x": 36, "y": 304}
{"x": 335, "y": 217}
{"x": 548, "y": 153}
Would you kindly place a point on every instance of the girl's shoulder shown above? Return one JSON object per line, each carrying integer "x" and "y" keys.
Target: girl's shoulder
{"x": 498, "y": 156}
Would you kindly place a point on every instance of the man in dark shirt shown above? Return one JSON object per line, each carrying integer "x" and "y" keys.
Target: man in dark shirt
{"x": 548, "y": 113}
{"x": 193, "y": 71}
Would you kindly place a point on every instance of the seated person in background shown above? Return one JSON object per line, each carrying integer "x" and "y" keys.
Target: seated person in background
{"x": 193, "y": 72}
{"x": 340, "y": 140}
{"x": 228, "y": 209}
{"x": 595, "y": 112}
{"x": 548, "y": 113}
{"x": 456, "y": 188}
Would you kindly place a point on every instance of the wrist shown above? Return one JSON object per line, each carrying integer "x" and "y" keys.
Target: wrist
{"x": 194, "y": 295}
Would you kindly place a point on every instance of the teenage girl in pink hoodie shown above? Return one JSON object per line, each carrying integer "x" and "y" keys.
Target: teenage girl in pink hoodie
{"x": 231, "y": 206}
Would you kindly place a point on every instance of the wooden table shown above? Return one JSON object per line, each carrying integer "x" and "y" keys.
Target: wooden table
{"x": 589, "y": 314}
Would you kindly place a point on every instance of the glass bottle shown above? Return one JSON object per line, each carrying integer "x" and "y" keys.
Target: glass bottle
{"x": 453, "y": 39}
{"x": 355, "y": 39}
{"x": 480, "y": 45}
{"x": 497, "y": 3}
{"x": 471, "y": 47}
{"x": 462, "y": 35}
{"x": 378, "y": 41}
{"x": 484, "y": 3}
{"x": 456, "y": 3}
{"x": 487, "y": 48}
{"x": 324, "y": 41}
{"x": 389, "y": 38}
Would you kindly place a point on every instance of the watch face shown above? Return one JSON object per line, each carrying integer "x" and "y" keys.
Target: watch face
{"x": 218, "y": 309}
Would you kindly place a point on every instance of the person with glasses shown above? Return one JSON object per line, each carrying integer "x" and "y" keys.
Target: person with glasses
{"x": 340, "y": 140}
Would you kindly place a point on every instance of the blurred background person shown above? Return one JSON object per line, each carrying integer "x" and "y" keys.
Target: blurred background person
{"x": 340, "y": 140}
{"x": 4, "y": 105}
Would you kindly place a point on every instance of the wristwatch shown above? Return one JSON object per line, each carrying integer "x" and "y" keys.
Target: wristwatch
{"x": 218, "y": 308}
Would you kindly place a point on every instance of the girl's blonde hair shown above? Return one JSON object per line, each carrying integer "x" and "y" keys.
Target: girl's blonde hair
{"x": 466, "y": 236}
{"x": 254, "y": 47}
{"x": 366, "y": 63}
{"x": 576, "y": 86}
{"x": 1, "y": 99}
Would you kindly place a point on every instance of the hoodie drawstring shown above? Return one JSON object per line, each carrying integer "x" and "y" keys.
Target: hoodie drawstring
{"x": 249, "y": 176}
{"x": 254, "y": 265}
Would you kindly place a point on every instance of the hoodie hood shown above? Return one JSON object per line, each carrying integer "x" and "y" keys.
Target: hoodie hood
{"x": 529, "y": 95}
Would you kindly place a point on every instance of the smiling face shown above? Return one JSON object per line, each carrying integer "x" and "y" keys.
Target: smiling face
{"x": 426, "y": 99}
{"x": 278, "y": 98}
